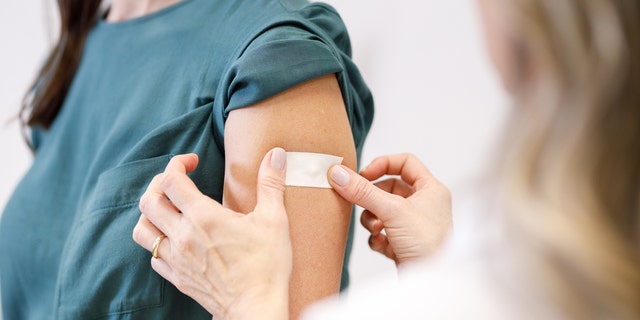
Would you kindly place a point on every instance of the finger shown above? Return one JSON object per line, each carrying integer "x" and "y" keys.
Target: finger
{"x": 396, "y": 186}
{"x": 183, "y": 163}
{"x": 360, "y": 191}
{"x": 271, "y": 180}
{"x": 145, "y": 234}
{"x": 163, "y": 268}
{"x": 380, "y": 243}
{"x": 155, "y": 186}
{"x": 370, "y": 222}
{"x": 405, "y": 165}
{"x": 155, "y": 207}
{"x": 180, "y": 189}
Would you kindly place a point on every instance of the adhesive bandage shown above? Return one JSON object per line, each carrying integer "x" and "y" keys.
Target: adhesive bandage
{"x": 306, "y": 169}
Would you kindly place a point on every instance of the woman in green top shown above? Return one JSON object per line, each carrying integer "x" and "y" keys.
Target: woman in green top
{"x": 557, "y": 237}
{"x": 124, "y": 90}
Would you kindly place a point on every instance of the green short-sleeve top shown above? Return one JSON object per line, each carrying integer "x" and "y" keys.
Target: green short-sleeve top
{"x": 147, "y": 89}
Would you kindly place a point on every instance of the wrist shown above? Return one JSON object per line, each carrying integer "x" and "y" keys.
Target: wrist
{"x": 269, "y": 303}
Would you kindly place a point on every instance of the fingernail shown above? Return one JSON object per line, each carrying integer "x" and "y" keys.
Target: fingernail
{"x": 278, "y": 157}
{"x": 340, "y": 176}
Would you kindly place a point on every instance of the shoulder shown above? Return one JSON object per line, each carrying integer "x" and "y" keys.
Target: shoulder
{"x": 286, "y": 42}
{"x": 297, "y": 20}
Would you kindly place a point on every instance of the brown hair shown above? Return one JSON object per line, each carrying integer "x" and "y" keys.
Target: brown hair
{"x": 571, "y": 172}
{"x": 46, "y": 95}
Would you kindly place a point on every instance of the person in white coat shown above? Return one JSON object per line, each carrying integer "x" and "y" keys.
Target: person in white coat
{"x": 556, "y": 230}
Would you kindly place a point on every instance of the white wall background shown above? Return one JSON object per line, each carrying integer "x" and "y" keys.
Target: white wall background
{"x": 436, "y": 94}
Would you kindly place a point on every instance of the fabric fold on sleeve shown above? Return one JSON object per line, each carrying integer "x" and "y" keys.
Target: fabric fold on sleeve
{"x": 271, "y": 68}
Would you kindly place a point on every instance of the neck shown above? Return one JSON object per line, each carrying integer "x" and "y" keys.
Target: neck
{"x": 121, "y": 10}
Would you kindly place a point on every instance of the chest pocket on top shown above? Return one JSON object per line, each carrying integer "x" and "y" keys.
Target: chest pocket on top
{"x": 103, "y": 272}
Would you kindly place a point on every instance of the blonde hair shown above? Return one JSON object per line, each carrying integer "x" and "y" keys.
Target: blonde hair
{"x": 571, "y": 169}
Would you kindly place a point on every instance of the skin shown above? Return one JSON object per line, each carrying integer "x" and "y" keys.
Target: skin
{"x": 236, "y": 265}
{"x": 412, "y": 207}
{"x": 316, "y": 120}
{"x": 318, "y": 219}
{"x": 221, "y": 258}
{"x": 121, "y": 10}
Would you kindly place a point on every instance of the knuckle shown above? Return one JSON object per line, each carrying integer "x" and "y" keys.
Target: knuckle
{"x": 362, "y": 190}
{"x": 147, "y": 197}
{"x": 273, "y": 183}
{"x": 379, "y": 158}
{"x": 144, "y": 204}
{"x": 174, "y": 159}
{"x": 168, "y": 179}
{"x": 156, "y": 179}
{"x": 137, "y": 234}
{"x": 410, "y": 155}
{"x": 270, "y": 195}
{"x": 407, "y": 157}
{"x": 148, "y": 202}
{"x": 182, "y": 245}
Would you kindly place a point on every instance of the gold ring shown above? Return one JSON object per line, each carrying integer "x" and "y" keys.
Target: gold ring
{"x": 156, "y": 245}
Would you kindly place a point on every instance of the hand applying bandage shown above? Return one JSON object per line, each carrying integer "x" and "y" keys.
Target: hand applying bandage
{"x": 413, "y": 209}
{"x": 231, "y": 263}
{"x": 236, "y": 264}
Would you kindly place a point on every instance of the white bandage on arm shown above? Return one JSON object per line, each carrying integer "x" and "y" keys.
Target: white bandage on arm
{"x": 306, "y": 169}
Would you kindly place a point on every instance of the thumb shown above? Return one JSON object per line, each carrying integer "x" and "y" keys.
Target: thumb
{"x": 271, "y": 179}
{"x": 356, "y": 189}
{"x": 183, "y": 163}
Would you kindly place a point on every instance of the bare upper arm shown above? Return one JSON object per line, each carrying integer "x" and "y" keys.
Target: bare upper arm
{"x": 310, "y": 117}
